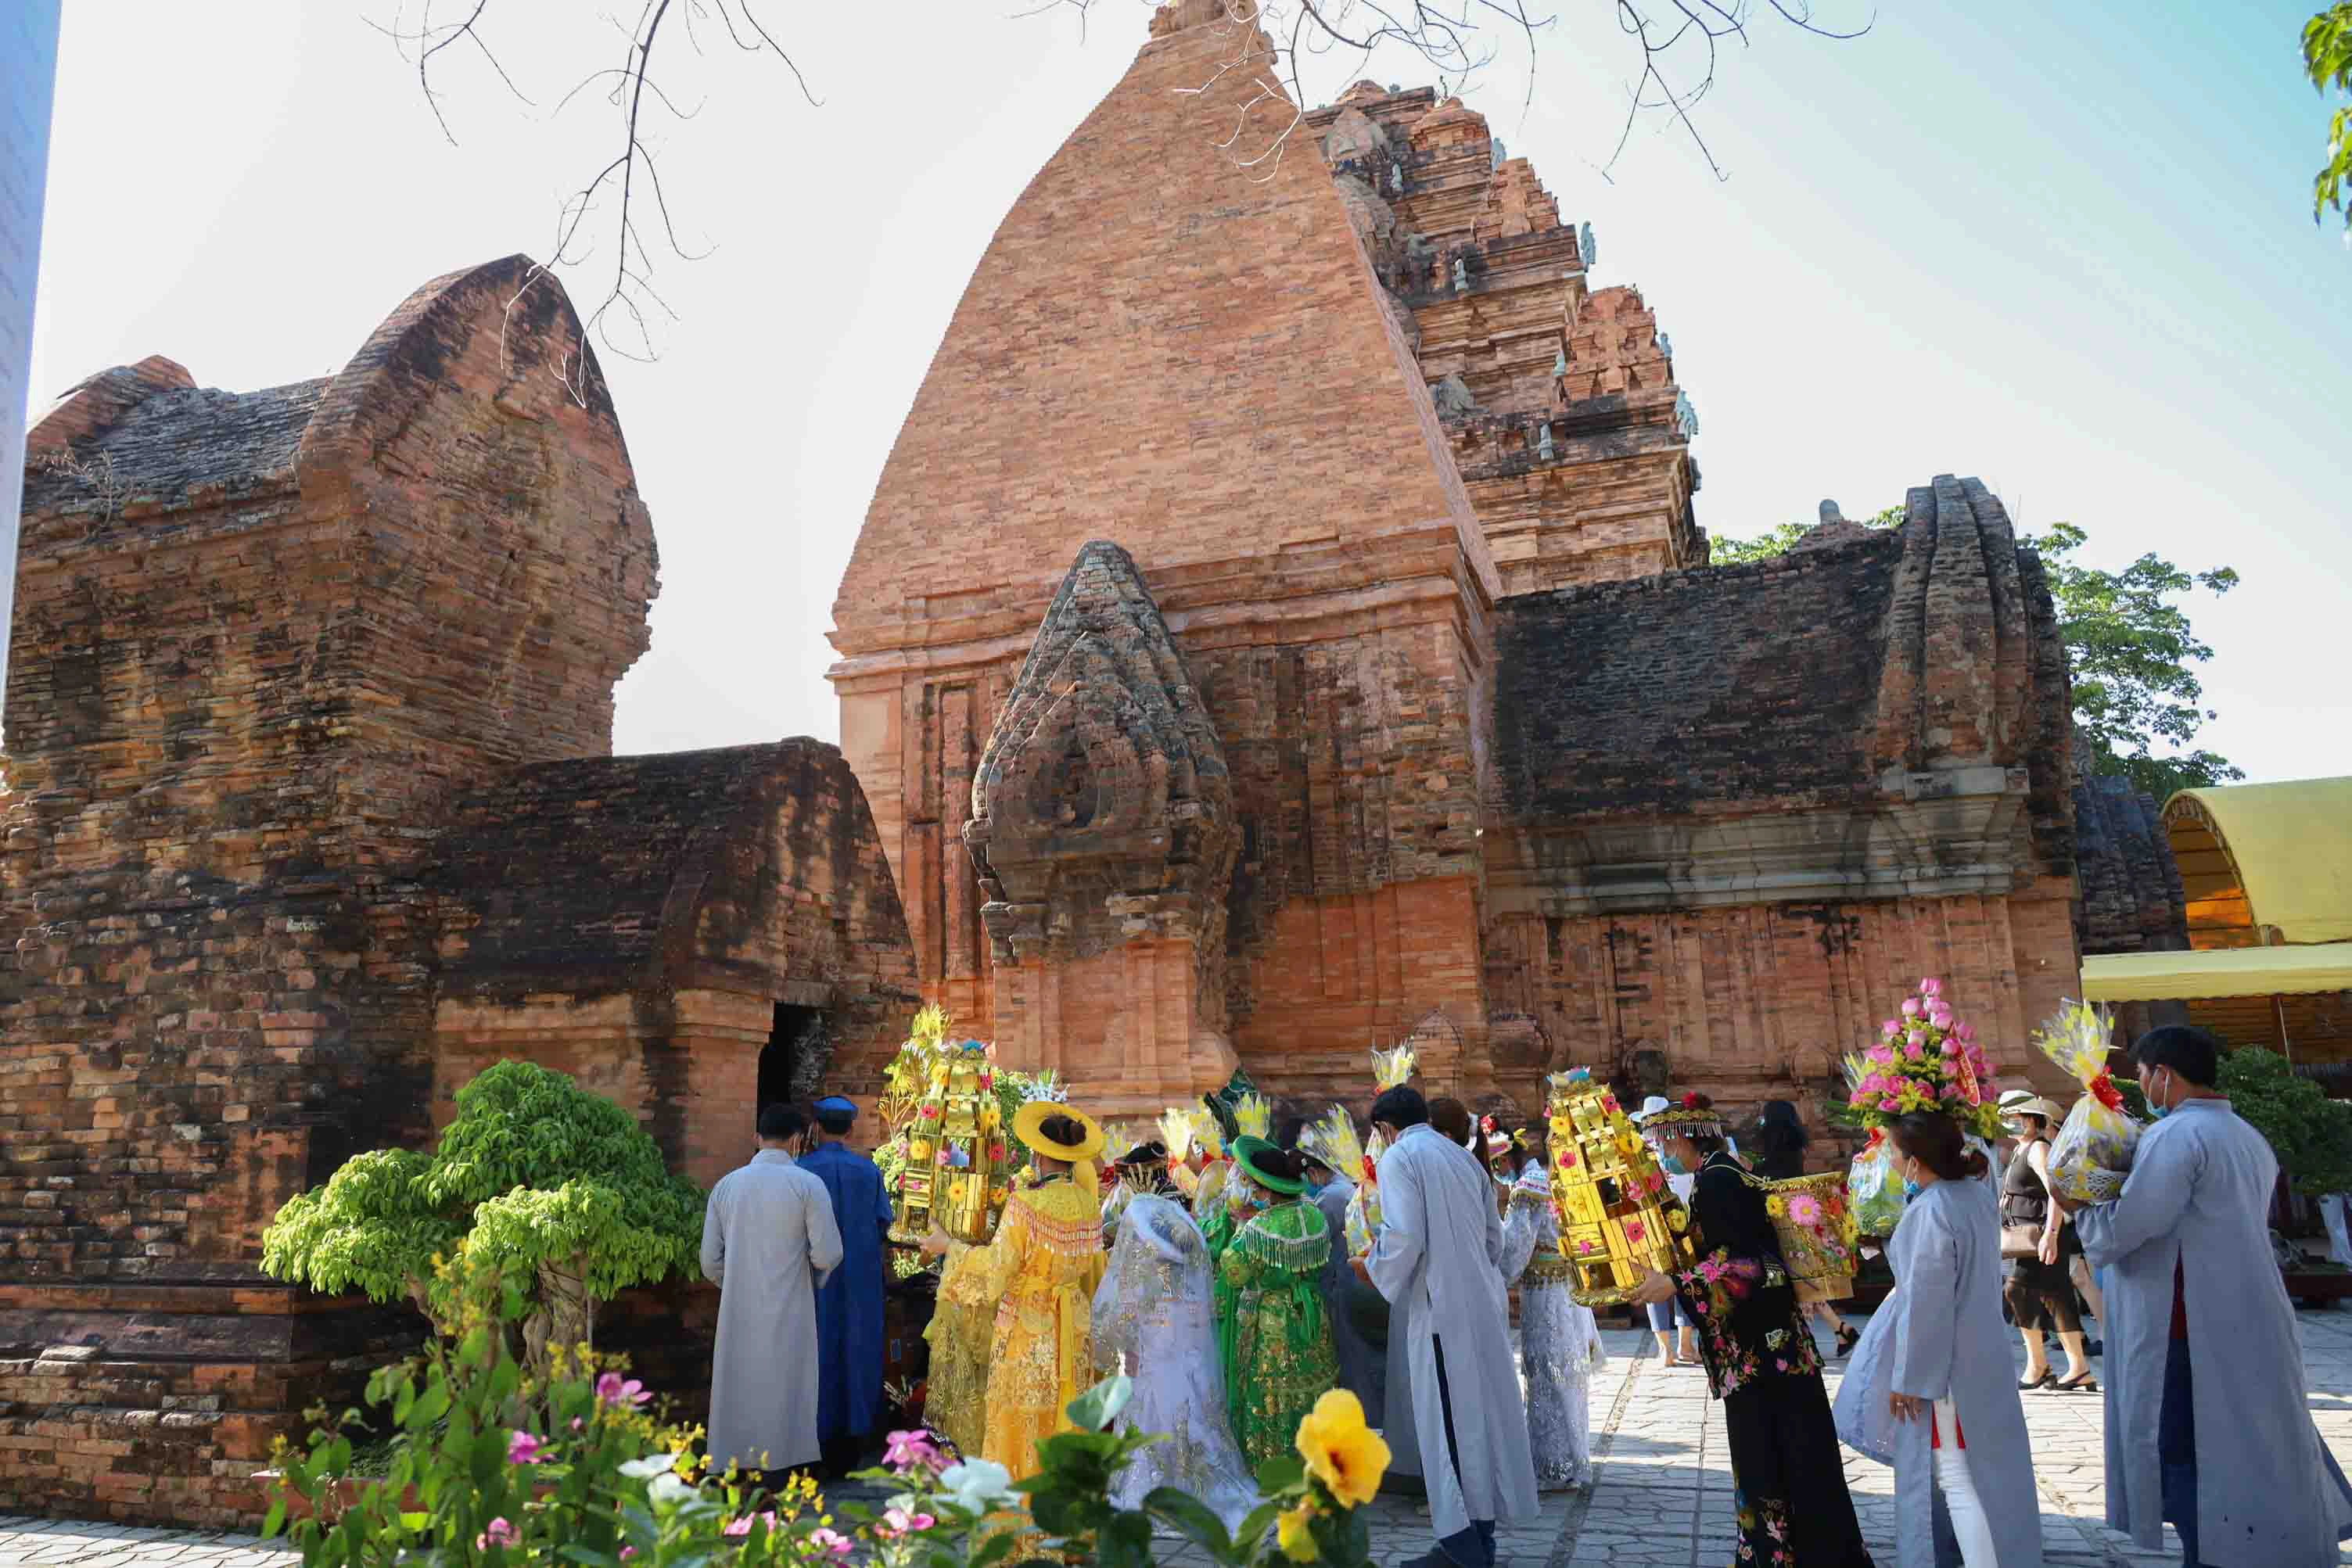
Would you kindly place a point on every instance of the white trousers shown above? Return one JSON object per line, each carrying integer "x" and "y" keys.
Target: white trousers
{"x": 1969, "y": 1526}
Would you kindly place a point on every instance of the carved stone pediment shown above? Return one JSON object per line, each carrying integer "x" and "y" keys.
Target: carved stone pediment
{"x": 1102, "y": 809}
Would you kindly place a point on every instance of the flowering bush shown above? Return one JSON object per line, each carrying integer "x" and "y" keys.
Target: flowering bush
{"x": 1925, "y": 1059}
{"x": 498, "y": 1467}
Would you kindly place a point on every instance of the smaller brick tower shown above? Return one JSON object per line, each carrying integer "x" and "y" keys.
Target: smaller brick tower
{"x": 1104, "y": 834}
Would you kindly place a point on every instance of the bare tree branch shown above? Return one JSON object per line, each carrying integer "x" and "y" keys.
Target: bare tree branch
{"x": 1275, "y": 44}
{"x": 623, "y": 315}
{"x": 1677, "y": 51}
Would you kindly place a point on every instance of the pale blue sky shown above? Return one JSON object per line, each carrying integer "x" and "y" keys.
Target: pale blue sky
{"x": 2066, "y": 251}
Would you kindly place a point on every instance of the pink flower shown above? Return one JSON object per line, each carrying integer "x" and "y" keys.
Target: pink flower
{"x": 1804, "y": 1209}
{"x": 909, "y": 1450}
{"x": 522, "y": 1449}
{"x": 743, "y": 1526}
{"x": 627, "y": 1553}
{"x": 1890, "y": 1103}
{"x": 577, "y": 1423}
{"x": 1967, "y": 1031}
{"x": 1910, "y": 1007}
{"x": 612, "y": 1390}
{"x": 1912, "y": 1050}
{"x": 1882, "y": 1054}
{"x": 830, "y": 1541}
{"x": 898, "y": 1522}
{"x": 1634, "y": 1232}
{"x": 1950, "y": 1047}
{"x": 1930, "y": 987}
{"x": 499, "y": 1533}
{"x": 1891, "y": 1028}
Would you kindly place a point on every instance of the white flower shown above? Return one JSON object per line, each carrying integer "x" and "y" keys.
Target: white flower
{"x": 976, "y": 1485}
{"x": 668, "y": 1489}
{"x": 652, "y": 1465}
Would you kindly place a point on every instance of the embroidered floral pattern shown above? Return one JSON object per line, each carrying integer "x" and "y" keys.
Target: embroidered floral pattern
{"x": 1763, "y": 1531}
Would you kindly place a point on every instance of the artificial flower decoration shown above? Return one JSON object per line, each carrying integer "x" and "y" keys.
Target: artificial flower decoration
{"x": 1341, "y": 1450}
{"x": 1926, "y": 1059}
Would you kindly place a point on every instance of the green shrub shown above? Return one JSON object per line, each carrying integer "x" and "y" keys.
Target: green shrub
{"x": 2311, "y": 1134}
{"x": 542, "y": 1198}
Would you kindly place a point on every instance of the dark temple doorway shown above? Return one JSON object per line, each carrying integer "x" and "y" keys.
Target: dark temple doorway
{"x": 793, "y": 1062}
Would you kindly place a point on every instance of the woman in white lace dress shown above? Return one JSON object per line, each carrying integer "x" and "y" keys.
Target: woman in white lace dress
{"x": 1152, "y": 1311}
{"x": 1559, "y": 1343}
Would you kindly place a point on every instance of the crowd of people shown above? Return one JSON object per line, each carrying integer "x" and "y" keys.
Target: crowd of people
{"x": 1222, "y": 1282}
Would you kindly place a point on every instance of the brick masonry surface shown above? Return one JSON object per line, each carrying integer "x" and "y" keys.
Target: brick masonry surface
{"x": 1514, "y": 775}
{"x": 1662, "y": 1499}
{"x": 306, "y": 818}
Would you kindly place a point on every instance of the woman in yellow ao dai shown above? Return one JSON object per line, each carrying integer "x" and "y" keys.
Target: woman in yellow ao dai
{"x": 1040, "y": 1272}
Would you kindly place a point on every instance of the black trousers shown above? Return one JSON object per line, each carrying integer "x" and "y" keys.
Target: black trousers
{"x": 1473, "y": 1547}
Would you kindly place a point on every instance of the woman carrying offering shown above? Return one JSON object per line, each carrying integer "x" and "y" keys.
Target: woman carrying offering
{"x": 2042, "y": 1286}
{"x": 1283, "y": 1359}
{"x": 1960, "y": 1429}
{"x": 1790, "y": 1500}
{"x": 1039, "y": 1274}
{"x": 1560, "y": 1342}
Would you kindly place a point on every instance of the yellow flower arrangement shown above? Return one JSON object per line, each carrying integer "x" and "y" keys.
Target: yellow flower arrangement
{"x": 1341, "y": 1450}
{"x": 1292, "y": 1535}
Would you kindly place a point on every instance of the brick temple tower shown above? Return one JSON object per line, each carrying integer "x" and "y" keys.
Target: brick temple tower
{"x": 1323, "y": 517}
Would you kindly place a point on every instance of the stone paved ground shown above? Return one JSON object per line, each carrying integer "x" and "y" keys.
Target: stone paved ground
{"x": 1662, "y": 1499}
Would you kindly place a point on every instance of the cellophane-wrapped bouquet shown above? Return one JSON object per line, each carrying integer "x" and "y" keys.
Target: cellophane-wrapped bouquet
{"x": 1331, "y": 1138}
{"x": 2092, "y": 1152}
{"x": 1926, "y": 1059}
{"x": 1176, "y": 1133}
{"x": 1390, "y": 1068}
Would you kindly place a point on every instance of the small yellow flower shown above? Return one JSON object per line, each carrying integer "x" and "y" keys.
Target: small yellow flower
{"x": 1297, "y": 1542}
{"x": 1343, "y": 1453}
{"x": 1777, "y": 1206}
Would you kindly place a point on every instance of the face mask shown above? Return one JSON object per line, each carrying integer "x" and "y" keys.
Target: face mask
{"x": 1910, "y": 1189}
{"x": 1314, "y": 1188}
{"x": 2155, "y": 1111}
{"x": 1671, "y": 1164}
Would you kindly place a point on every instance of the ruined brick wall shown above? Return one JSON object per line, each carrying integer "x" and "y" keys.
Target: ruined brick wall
{"x": 634, "y": 921}
{"x": 260, "y": 641}
{"x": 2131, "y": 898}
{"x": 1743, "y": 809}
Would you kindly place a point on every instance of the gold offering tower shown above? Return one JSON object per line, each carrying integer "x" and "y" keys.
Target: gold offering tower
{"x": 1617, "y": 1216}
{"x": 957, "y": 1170}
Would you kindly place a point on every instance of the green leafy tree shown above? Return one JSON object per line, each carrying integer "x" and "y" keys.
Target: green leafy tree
{"x": 2327, "y": 60}
{"x": 2134, "y": 655}
{"x": 540, "y": 1195}
{"x": 2311, "y": 1134}
{"x": 2130, "y": 645}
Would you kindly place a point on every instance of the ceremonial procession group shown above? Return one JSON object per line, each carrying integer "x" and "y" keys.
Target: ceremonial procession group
{"x": 1248, "y": 1282}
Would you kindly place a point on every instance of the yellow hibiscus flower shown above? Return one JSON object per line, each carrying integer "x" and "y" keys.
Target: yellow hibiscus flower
{"x": 1341, "y": 1452}
{"x": 1291, "y": 1532}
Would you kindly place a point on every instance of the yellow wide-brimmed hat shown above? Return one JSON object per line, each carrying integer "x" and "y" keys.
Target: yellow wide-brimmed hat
{"x": 1027, "y": 1121}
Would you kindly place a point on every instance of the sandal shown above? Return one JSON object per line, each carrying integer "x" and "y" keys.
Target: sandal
{"x": 2044, "y": 1381}
{"x": 1848, "y": 1336}
{"x": 2086, "y": 1382}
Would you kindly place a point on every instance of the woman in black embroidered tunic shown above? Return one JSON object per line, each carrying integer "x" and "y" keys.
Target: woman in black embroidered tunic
{"x": 1791, "y": 1504}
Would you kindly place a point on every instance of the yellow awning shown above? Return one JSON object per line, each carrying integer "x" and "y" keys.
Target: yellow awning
{"x": 2257, "y": 859}
{"x": 2217, "y": 972}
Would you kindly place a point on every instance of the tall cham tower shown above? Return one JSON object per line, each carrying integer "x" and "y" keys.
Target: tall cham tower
{"x": 1277, "y": 633}
{"x": 1163, "y": 645}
